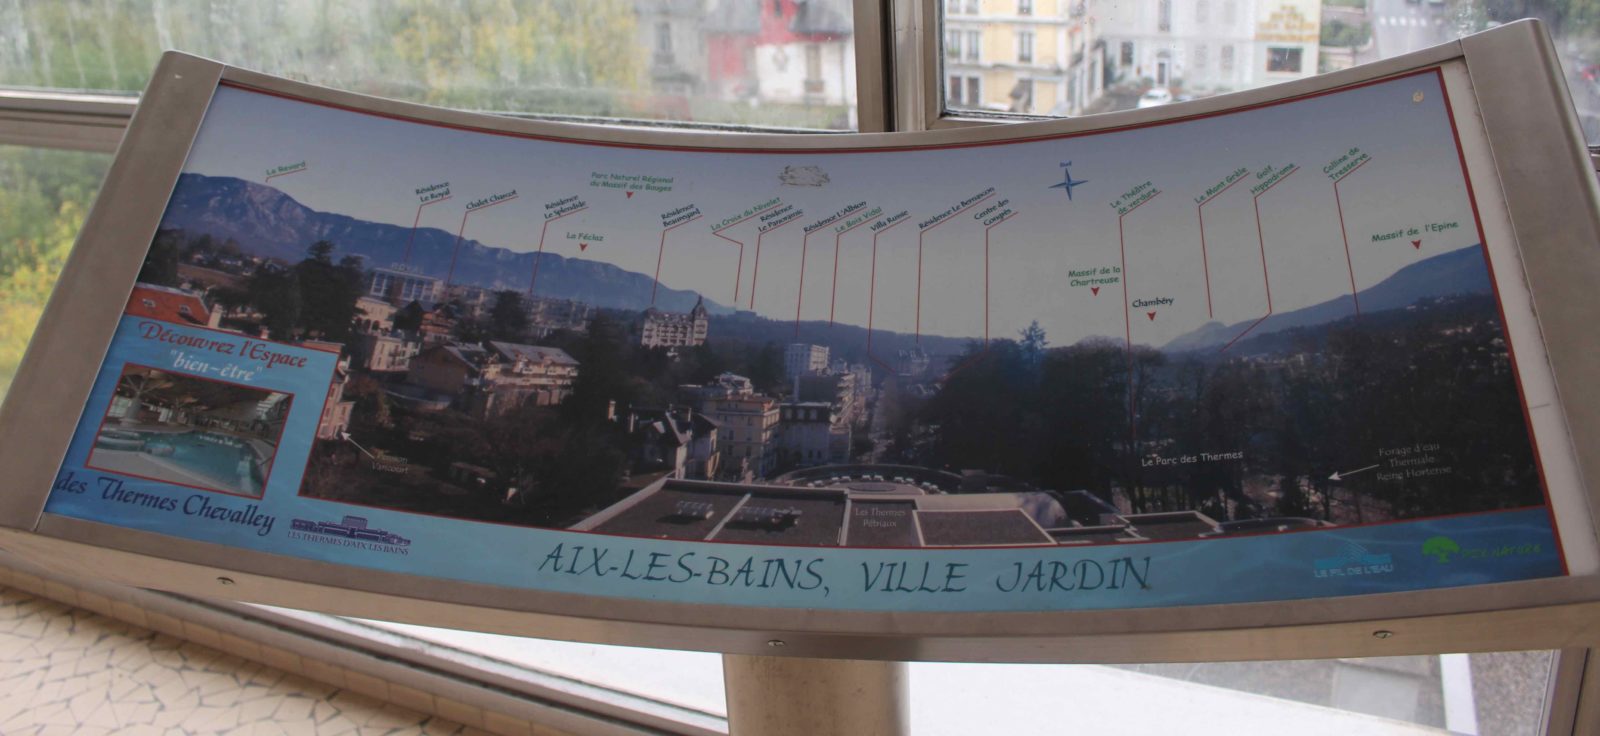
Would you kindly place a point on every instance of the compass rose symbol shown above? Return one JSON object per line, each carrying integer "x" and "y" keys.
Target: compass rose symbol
{"x": 1067, "y": 182}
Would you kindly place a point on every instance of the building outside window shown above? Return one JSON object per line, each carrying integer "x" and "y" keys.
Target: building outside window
{"x": 407, "y": 51}
{"x": 1022, "y": 96}
{"x": 1283, "y": 59}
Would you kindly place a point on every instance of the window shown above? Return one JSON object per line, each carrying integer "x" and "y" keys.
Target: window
{"x": 1283, "y": 59}
{"x": 704, "y": 63}
{"x": 663, "y": 43}
{"x": 1022, "y": 96}
{"x": 814, "y": 82}
{"x": 726, "y": 74}
{"x": 963, "y": 91}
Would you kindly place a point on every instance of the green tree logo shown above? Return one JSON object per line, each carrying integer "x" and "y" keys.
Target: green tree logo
{"x": 1440, "y": 548}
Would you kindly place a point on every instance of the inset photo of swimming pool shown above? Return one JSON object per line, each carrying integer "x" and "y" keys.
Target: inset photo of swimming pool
{"x": 190, "y": 431}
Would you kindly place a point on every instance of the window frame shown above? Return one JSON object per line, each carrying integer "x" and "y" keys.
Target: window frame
{"x": 888, "y": 55}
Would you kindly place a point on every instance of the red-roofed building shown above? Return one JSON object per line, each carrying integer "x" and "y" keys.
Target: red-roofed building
{"x": 170, "y": 305}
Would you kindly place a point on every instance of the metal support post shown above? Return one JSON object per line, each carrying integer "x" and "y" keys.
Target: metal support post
{"x": 796, "y": 696}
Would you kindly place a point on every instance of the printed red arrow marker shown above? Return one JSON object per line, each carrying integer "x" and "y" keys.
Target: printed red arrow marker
{"x": 1416, "y": 244}
{"x": 1151, "y": 315}
{"x": 582, "y": 245}
{"x": 1094, "y": 290}
{"x": 630, "y": 195}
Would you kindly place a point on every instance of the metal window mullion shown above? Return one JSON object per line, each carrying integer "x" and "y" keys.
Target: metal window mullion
{"x": 70, "y": 121}
{"x": 874, "y": 65}
{"x": 1572, "y": 695}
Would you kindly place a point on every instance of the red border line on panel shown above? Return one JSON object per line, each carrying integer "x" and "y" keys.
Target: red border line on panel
{"x": 1433, "y": 70}
{"x": 1043, "y": 545}
{"x": 1127, "y": 321}
{"x": 1205, "y": 260}
{"x": 872, "y": 292}
{"x": 1505, "y": 327}
{"x": 1266, "y": 277}
{"x": 986, "y": 230}
{"x": 800, "y": 296}
{"x": 539, "y": 255}
{"x": 449, "y": 276}
{"x": 920, "y": 235}
{"x": 833, "y": 300}
{"x": 981, "y": 354}
{"x": 755, "y": 272}
{"x": 1348, "y": 263}
{"x": 88, "y": 462}
{"x": 412, "y": 238}
{"x": 662, "y": 252}
{"x": 821, "y": 150}
{"x": 738, "y": 271}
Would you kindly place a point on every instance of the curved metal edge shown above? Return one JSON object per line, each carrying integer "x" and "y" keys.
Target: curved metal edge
{"x": 1549, "y": 613}
{"x": 1555, "y": 235}
{"x": 77, "y": 328}
{"x": 581, "y": 133}
{"x": 47, "y": 395}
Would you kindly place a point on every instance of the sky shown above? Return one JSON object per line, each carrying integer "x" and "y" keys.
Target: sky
{"x": 369, "y": 167}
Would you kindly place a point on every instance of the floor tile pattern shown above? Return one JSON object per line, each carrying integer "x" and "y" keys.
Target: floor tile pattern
{"x": 67, "y": 670}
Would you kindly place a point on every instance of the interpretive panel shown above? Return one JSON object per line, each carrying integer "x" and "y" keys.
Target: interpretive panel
{"x": 1255, "y": 355}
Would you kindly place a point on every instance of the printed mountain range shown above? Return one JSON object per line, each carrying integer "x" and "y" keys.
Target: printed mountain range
{"x": 1460, "y": 271}
{"x": 269, "y": 223}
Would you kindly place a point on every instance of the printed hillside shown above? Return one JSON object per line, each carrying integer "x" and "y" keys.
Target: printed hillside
{"x": 1456, "y": 272}
{"x": 269, "y": 223}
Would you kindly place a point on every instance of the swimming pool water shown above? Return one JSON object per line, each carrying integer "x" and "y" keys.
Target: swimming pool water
{"x": 234, "y": 467}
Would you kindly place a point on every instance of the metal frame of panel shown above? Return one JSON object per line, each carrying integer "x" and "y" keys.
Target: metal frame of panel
{"x": 1549, "y": 613}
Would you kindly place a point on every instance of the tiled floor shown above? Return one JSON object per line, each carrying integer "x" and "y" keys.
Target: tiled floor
{"x": 65, "y": 670}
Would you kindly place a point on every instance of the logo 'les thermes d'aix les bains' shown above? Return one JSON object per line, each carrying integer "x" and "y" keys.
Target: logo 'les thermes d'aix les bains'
{"x": 350, "y": 531}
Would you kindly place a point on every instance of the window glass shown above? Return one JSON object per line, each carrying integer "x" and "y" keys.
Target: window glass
{"x": 1494, "y": 694}
{"x": 1210, "y": 47}
{"x": 704, "y": 61}
{"x": 44, "y": 196}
